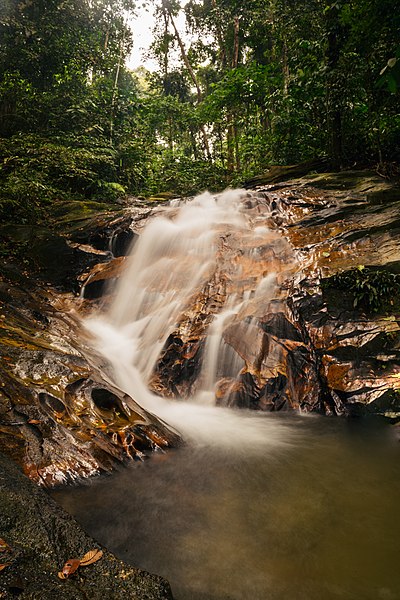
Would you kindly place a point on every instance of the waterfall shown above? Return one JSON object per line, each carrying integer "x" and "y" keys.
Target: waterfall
{"x": 180, "y": 258}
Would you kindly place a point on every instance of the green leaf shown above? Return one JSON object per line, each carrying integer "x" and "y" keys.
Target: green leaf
{"x": 392, "y": 83}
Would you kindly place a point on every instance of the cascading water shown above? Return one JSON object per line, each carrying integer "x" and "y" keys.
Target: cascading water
{"x": 255, "y": 506}
{"x": 174, "y": 262}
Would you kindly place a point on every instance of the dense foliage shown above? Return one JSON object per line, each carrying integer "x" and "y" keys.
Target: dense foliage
{"x": 372, "y": 289}
{"x": 261, "y": 82}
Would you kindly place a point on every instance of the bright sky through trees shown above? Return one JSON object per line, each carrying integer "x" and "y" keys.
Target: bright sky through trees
{"x": 142, "y": 28}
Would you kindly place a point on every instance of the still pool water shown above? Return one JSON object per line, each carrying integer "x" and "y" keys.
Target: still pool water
{"x": 314, "y": 515}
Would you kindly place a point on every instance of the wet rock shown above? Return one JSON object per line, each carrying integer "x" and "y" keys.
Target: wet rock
{"x": 101, "y": 279}
{"x": 312, "y": 349}
{"x": 107, "y": 232}
{"x": 355, "y": 348}
{"x": 48, "y": 256}
{"x": 278, "y": 173}
{"x": 41, "y": 537}
{"x": 59, "y": 418}
{"x": 299, "y": 344}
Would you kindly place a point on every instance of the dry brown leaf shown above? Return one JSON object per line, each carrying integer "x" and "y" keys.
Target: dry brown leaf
{"x": 61, "y": 575}
{"x": 4, "y": 546}
{"x": 71, "y": 566}
{"x": 91, "y": 557}
{"x": 34, "y": 421}
{"x": 3, "y": 566}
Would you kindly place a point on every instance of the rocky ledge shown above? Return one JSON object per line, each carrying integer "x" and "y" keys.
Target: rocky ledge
{"x": 60, "y": 418}
{"x": 38, "y": 538}
{"x": 328, "y": 340}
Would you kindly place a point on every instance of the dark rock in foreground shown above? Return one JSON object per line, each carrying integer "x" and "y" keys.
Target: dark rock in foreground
{"x": 41, "y": 537}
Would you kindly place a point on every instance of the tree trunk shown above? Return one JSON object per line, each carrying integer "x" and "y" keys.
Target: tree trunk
{"x": 235, "y": 56}
{"x": 236, "y": 138}
{"x": 233, "y": 142}
{"x": 193, "y": 78}
{"x": 222, "y": 50}
{"x": 230, "y": 140}
{"x": 334, "y": 89}
{"x": 285, "y": 67}
{"x": 185, "y": 57}
{"x": 115, "y": 90}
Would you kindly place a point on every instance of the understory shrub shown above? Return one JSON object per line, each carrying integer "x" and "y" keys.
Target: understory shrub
{"x": 34, "y": 171}
{"x": 372, "y": 289}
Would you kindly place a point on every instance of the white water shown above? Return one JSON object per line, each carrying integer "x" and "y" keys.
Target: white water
{"x": 172, "y": 262}
{"x": 257, "y": 506}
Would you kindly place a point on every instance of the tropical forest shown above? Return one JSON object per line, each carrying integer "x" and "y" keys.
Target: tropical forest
{"x": 262, "y": 83}
{"x": 199, "y": 299}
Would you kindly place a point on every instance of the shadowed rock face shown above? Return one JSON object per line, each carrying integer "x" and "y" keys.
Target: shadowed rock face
{"x": 356, "y": 350}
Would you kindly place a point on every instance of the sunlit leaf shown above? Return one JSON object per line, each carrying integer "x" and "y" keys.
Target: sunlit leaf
{"x": 72, "y": 564}
{"x": 61, "y": 575}
{"x": 91, "y": 557}
{"x": 4, "y": 546}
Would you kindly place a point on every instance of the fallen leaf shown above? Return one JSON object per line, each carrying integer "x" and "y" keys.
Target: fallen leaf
{"x": 34, "y": 421}
{"x": 3, "y": 566}
{"x": 4, "y": 546}
{"x": 73, "y": 564}
{"x": 70, "y": 566}
{"x": 91, "y": 557}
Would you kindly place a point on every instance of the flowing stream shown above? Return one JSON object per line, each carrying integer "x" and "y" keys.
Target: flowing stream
{"x": 253, "y": 506}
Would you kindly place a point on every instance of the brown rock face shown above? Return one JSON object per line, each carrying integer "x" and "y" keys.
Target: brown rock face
{"x": 60, "y": 418}
{"x": 272, "y": 327}
{"x": 301, "y": 341}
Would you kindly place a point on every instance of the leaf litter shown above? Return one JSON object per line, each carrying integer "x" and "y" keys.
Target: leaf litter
{"x": 4, "y": 547}
{"x": 73, "y": 564}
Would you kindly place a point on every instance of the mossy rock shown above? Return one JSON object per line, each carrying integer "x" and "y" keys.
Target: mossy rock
{"x": 158, "y": 198}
